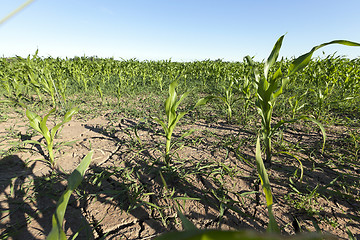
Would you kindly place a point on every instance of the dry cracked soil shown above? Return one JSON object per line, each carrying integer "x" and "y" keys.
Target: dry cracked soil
{"x": 212, "y": 180}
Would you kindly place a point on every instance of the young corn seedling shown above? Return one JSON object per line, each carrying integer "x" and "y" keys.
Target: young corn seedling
{"x": 47, "y": 82}
{"x": 269, "y": 87}
{"x": 57, "y": 232}
{"x": 267, "y": 90}
{"x": 61, "y": 79}
{"x": 98, "y": 88}
{"x": 247, "y": 91}
{"x": 39, "y": 124}
{"x": 33, "y": 75}
{"x": 173, "y": 116}
{"x": 14, "y": 90}
{"x": 228, "y": 99}
{"x": 294, "y": 102}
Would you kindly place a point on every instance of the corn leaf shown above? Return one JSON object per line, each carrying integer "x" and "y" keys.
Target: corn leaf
{"x": 57, "y": 232}
{"x": 304, "y": 59}
{"x": 203, "y": 101}
{"x": 33, "y": 142}
{"x": 34, "y": 120}
{"x": 273, "y": 56}
{"x": 70, "y": 113}
{"x": 67, "y": 118}
{"x": 176, "y": 120}
{"x": 350, "y": 235}
{"x": 282, "y": 122}
{"x": 176, "y": 105}
{"x": 172, "y": 97}
{"x": 272, "y": 227}
{"x": 187, "y": 225}
{"x": 163, "y": 125}
{"x": 44, "y": 128}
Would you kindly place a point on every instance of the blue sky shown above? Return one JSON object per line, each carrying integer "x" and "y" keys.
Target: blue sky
{"x": 183, "y": 30}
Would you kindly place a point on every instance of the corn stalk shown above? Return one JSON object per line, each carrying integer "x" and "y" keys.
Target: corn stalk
{"x": 269, "y": 87}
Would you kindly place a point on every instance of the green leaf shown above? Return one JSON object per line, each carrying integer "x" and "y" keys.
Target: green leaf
{"x": 67, "y": 118}
{"x": 70, "y": 113}
{"x": 272, "y": 227}
{"x": 321, "y": 128}
{"x": 176, "y": 105}
{"x": 76, "y": 176}
{"x": 33, "y": 142}
{"x": 203, "y": 101}
{"x": 187, "y": 225}
{"x": 278, "y": 74}
{"x": 34, "y": 120}
{"x": 44, "y": 128}
{"x": 271, "y": 92}
{"x": 176, "y": 120}
{"x": 172, "y": 97}
{"x": 187, "y": 133}
{"x": 350, "y": 235}
{"x": 273, "y": 56}
{"x": 304, "y": 59}
{"x": 163, "y": 125}
{"x": 282, "y": 122}
{"x": 57, "y": 232}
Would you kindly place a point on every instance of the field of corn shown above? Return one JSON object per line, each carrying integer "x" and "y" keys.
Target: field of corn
{"x": 133, "y": 149}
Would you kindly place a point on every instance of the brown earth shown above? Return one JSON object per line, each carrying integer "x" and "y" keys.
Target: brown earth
{"x": 213, "y": 179}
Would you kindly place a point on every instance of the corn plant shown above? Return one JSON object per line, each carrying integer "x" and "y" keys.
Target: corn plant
{"x": 47, "y": 83}
{"x": 228, "y": 99}
{"x": 247, "y": 90}
{"x": 173, "y": 116}
{"x": 159, "y": 78}
{"x": 190, "y": 232}
{"x": 294, "y": 102}
{"x": 61, "y": 78}
{"x": 39, "y": 124}
{"x": 79, "y": 74}
{"x": 14, "y": 89}
{"x": 57, "y": 230}
{"x": 269, "y": 87}
{"x": 272, "y": 227}
{"x": 98, "y": 88}
{"x": 32, "y": 74}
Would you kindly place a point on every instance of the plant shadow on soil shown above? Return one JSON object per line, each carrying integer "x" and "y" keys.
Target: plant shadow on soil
{"x": 188, "y": 182}
{"x": 136, "y": 184}
{"x": 327, "y": 192}
{"x": 124, "y": 196}
{"x": 29, "y": 201}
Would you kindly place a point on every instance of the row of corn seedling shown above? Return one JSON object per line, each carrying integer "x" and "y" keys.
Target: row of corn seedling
{"x": 268, "y": 86}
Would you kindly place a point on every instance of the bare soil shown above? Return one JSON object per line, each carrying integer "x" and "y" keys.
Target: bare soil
{"x": 213, "y": 179}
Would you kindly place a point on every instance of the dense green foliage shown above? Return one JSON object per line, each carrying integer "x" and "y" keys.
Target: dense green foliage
{"x": 331, "y": 84}
{"x": 326, "y": 91}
